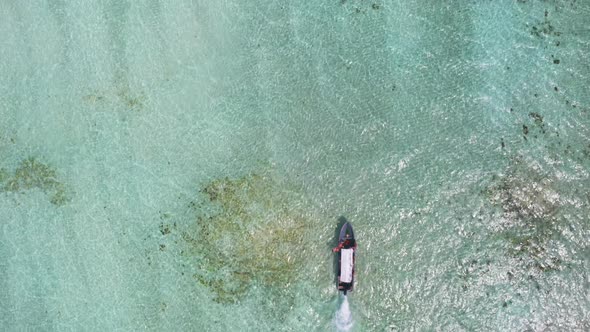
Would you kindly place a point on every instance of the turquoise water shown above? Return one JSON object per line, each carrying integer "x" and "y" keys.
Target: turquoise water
{"x": 178, "y": 166}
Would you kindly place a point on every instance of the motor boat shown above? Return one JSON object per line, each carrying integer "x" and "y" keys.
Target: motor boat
{"x": 346, "y": 251}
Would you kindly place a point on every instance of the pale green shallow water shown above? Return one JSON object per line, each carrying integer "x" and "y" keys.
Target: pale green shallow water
{"x": 181, "y": 166}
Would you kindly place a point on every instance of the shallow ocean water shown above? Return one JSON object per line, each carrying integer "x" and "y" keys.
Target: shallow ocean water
{"x": 183, "y": 166}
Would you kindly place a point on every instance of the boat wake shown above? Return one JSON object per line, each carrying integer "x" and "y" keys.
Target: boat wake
{"x": 343, "y": 318}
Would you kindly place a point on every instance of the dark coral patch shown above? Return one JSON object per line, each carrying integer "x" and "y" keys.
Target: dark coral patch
{"x": 249, "y": 239}
{"x": 32, "y": 173}
{"x": 529, "y": 203}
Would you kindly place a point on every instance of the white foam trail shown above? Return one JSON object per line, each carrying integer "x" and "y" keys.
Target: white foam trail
{"x": 343, "y": 319}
